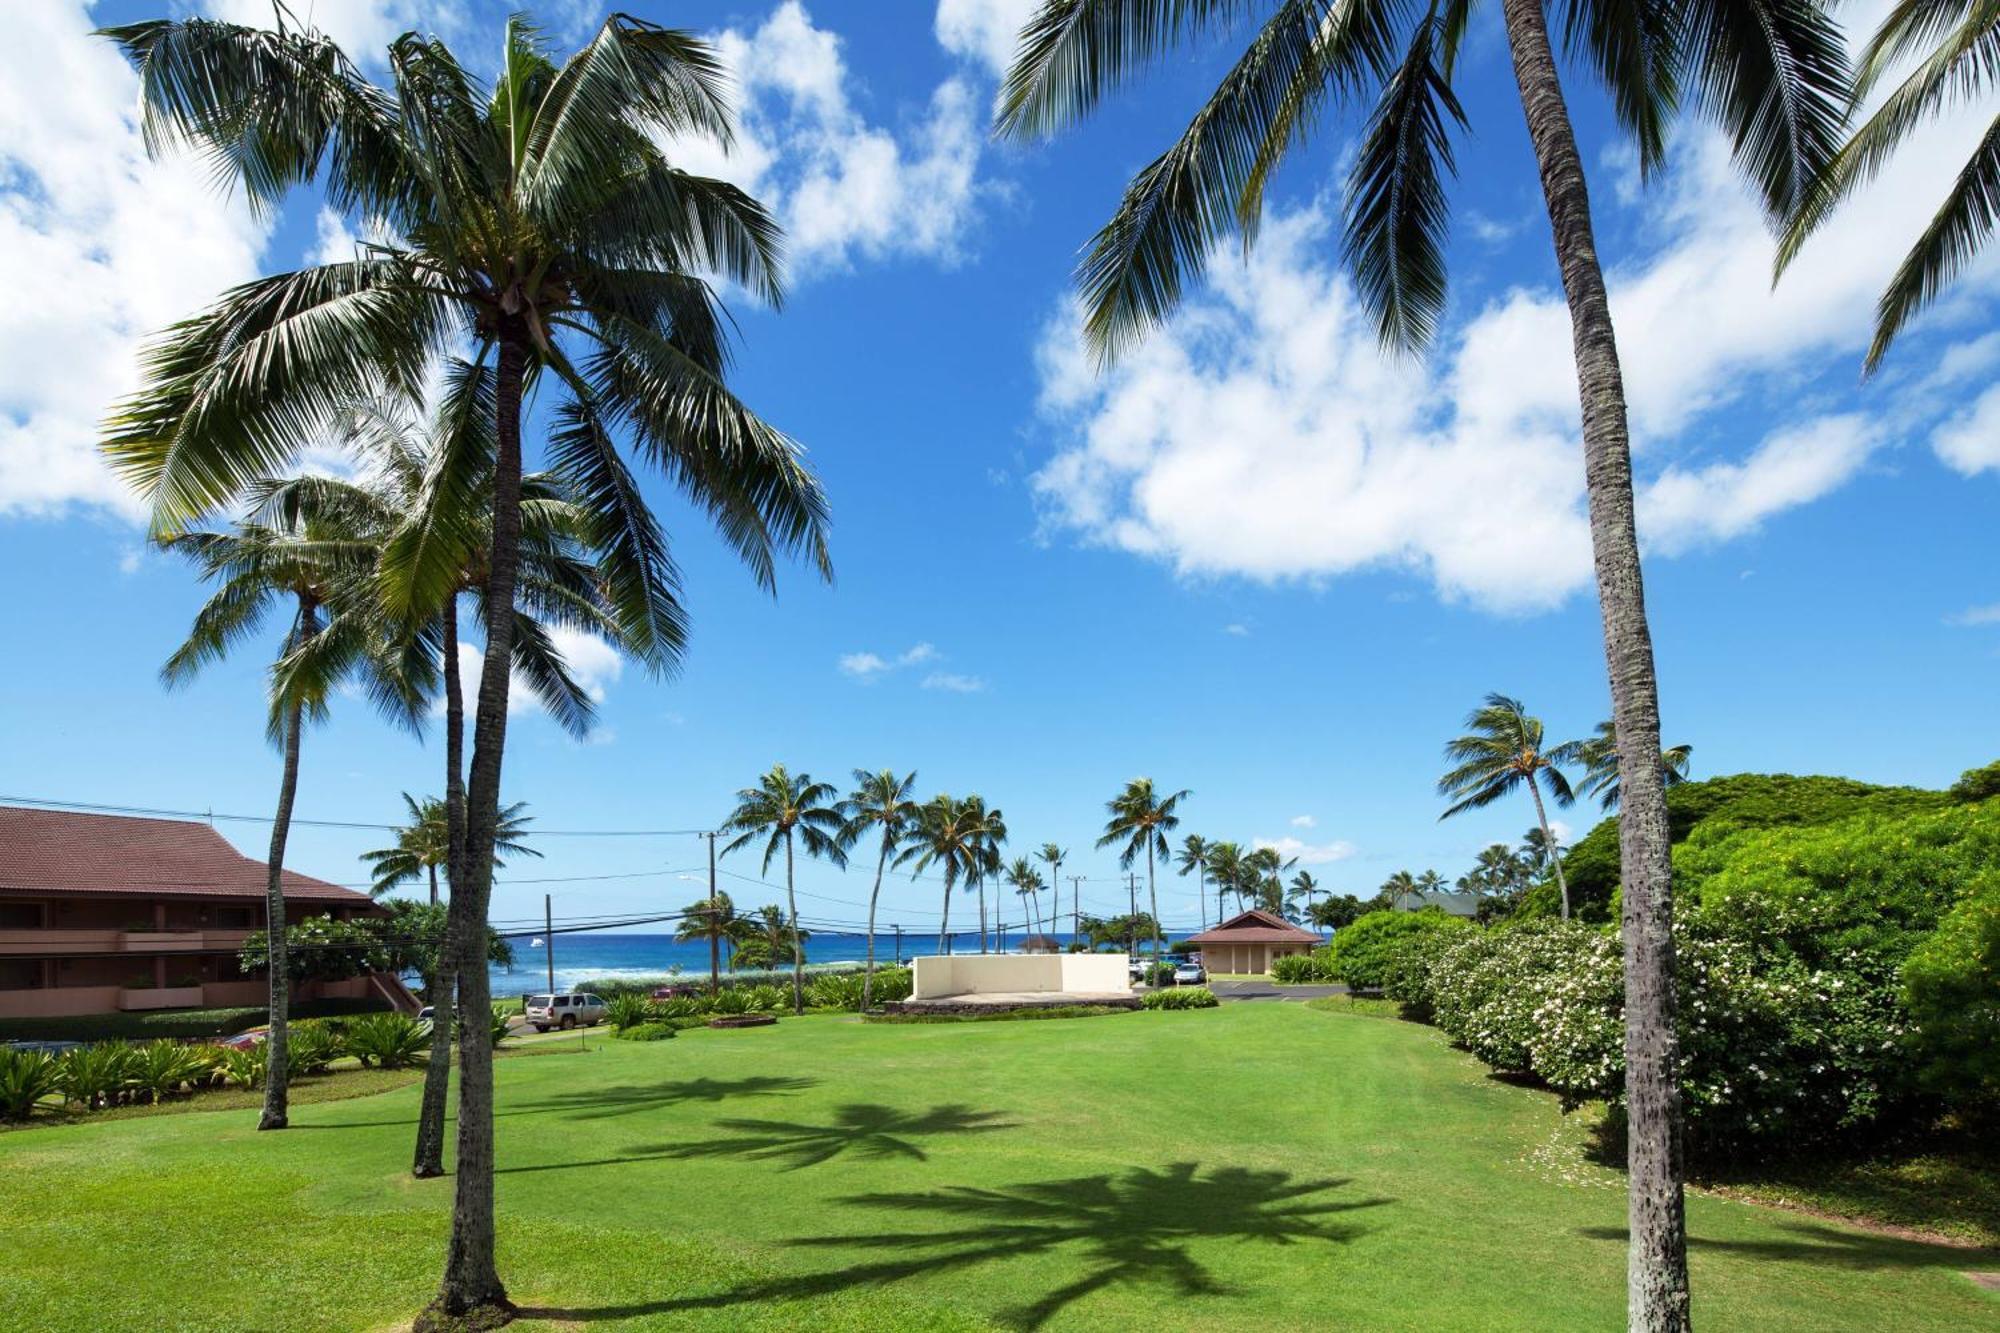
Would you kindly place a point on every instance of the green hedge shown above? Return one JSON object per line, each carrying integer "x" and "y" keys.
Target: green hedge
{"x": 175, "y": 1023}
{"x": 1360, "y": 952}
{"x": 1181, "y": 997}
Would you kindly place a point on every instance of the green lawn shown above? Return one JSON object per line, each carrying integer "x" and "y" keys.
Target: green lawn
{"x": 1251, "y": 1167}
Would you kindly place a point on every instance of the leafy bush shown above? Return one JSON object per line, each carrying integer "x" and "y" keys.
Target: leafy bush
{"x": 682, "y": 1006}
{"x": 835, "y": 992}
{"x": 1301, "y": 968}
{"x": 630, "y": 1010}
{"x": 734, "y": 1000}
{"x": 1951, "y": 983}
{"x": 26, "y": 1076}
{"x": 766, "y": 999}
{"x": 164, "y": 1067}
{"x": 240, "y": 1066}
{"x": 97, "y": 1075}
{"x": 644, "y": 1032}
{"x": 1359, "y": 954}
{"x": 1489, "y": 989}
{"x": 1158, "y": 974}
{"x": 388, "y": 1041}
{"x": 311, "y": 1047}
{"x": 1180, "y": 997}
{"x": 1977, "y": 784}
{"x": 498, "y": 1028}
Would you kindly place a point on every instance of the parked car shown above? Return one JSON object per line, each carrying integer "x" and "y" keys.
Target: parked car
{"x": 675, "y": 992}
{"x": 1190, "y": 974}
{"x": 563, "y": 1011}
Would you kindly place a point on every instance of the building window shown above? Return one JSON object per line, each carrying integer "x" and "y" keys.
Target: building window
{"x": 20, "y": 916}
{"x": 20, "y": 974}
{"x": 235, "y": 918}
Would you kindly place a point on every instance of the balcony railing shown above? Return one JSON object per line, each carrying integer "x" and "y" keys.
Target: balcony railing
{"x": 44, "y": 942}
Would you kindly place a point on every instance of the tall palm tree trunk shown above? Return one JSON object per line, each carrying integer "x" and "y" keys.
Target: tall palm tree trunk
{"x": 277, "y": 1047}
{"x": 868, "y": 971}
{"x": 1548, "y": 837}
{"x": 798, "y": 945}
{"x": 428, "y": 1159}
{"x": 471, "y": 1279}
{"x": 1153, "y": 902}
{"x": 981, "y": 884}
{"x": 1656, "y": 1262}
{"x": 1201, "y": 895}
{"x": 944, "y": 920}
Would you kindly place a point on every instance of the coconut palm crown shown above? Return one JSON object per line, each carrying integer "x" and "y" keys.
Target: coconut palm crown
{"x": 1140, "y": 820}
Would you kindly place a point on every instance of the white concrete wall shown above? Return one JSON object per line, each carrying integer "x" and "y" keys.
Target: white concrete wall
{"x": 975, "y": 974}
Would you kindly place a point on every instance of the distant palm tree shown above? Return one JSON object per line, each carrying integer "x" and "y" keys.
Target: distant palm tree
{"x": 423, "y": 846}
{"x": 1225, "y": 867}
{"x": 712, "y": 919}
{"x": 1027, "y": 882}
{"x": 766, "y": 937}
{"x": 1503, "y": 750}
{"x": 987, "y": 829}
{"x": 1267, "y": 867}
{"x": 1299, "y": 897}
{"x": 316, "y": 566}
{"x": 1539, "y": 851}
{"x": 879, "y": 804}
{"x": 1194, "y": 859}
{"x": 1054, "y": 856}
{"x": 944, "y": 838}
{"x": 1499, "y": 872}
{"x": 1599, "y": 756}
{"x": 1430, "y": 882}
{"x": 1400, "y": 886}
{"x": 1141, "y": 819}
{"x": 785, "y": 810}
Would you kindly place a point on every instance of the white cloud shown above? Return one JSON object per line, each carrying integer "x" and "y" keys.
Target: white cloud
{"x": 1263, "y": 434}
{"x": 866, "y": 666}
{"x": 1306, "y": 853}
{"x": 1969, "y": 442}
{"x": 362, "y": 28}
{"x": 103, "y": 248}
{"x": 986, "y": 31}
{"x": 1237, "y": 629}
{"x": 843, "y": 186}
{"x": 593, "y": 663}
{"x": 952, "y": 682}
{"x": 1562, "y": 831}
{"x": 131, "y": 560}
{"x": 1976, "y": 615}
{"x": 1304, "y": 821}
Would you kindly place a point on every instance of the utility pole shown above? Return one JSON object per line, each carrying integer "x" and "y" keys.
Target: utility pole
{"x": 1132, "y": 916}
{"x": 549, "y": 940}
{"x": 899, "y": 945}
{"x": 1075, "y": 907}
{"x": 714, "y": 921}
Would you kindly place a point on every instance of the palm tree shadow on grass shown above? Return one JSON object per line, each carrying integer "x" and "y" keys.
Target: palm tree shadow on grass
{"x": 1828, "y": 1247}
{"x": 1129, "y": 1229}
{"x": 604, "y": 1103}
{"x": 863, "y": 1129}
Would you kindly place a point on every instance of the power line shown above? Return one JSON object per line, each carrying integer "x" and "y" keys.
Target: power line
{"x": 212, "y": 815}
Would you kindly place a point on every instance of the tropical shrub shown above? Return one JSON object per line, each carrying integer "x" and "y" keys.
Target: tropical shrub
{"x": 163, "y": 1067}
{"x": 1180, "y": 997}
{"x": 893, "y": 983}
{"x": 644, "y": 1032}
{"x": 26, "y": 1076}
{"x": 1158, "y": 974}
{"x": 321, "y": 947}
{"x": 734, "y": 1000}
{"x": 629, "y": 1010}
{"x": 97, "y": 1075}
{"x": 311, "y": 1047}
{"x": 835, "y": 992}
{"x": 498, "y": 1027}
{"x": 1301, "y": 968}
{"x": 388, "y": 1041}
{"x": 1951, "y": 983}
{"x": 1359, "y": 954}
{"x": 766, "y": 999}
{"x": 240, "y": 1066}
{"x": 682, "y": 1006}
{"x": 1977, "y": 784}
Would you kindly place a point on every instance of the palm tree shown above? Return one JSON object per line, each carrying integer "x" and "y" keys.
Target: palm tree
{"x": 1956, "y": 42}
{"x": 1303, "y": 887}
{"x": 1539, "y": 851}
{"x": 538, "y": 221}
{"x": 1772, "y": 75}
{"x": 317, "y": 566}
{"x": 987, "y": 830}
{"x": 1194, "y": 859}
{"x": 1502, "y": 751}
{"x": 782, "y": 810}
{"x": 1141, "y": 819}
{"x": 1027, "y": 882}
{"x": 1430, "y": 882}
{"x": 1399, "y": 886}
{"x": 1055, "y": 856}
{"x": 880, "y": 803}
{"x": 1225, "y": 867}
{"x": 423, "y": 845}
{"x": 1500, "y": 872}
{"x": 713, "y": 919}
{"x": 1599, "y": 756}
{"x": 944, "y": 838}
{"x": 1267, "y": 867}
{"x": 766, "y": 935}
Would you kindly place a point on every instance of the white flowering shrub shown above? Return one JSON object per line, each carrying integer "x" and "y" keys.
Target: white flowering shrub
{"x": 1489, "y": 990}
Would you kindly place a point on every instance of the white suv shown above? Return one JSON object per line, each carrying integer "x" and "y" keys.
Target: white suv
{"x": 563, "y": 1011}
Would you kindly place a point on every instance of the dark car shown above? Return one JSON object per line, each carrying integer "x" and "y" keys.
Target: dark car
{"x": 675, "y": 992}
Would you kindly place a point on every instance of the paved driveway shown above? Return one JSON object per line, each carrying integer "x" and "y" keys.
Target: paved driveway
{"x": 1266, "y": 990}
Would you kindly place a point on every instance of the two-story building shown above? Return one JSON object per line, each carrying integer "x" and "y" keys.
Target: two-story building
{"x": 105, "y": 912}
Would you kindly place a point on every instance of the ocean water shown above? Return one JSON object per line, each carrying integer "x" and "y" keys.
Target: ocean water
{"x": 587, "y": 956}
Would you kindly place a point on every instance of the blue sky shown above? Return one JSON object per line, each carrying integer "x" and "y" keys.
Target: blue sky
{"x": 1259, "y": 560}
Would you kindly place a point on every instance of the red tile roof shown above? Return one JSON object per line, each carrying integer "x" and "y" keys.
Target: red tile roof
{"x": 1255, "y": 927}
{"x": 60, "y": 852}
